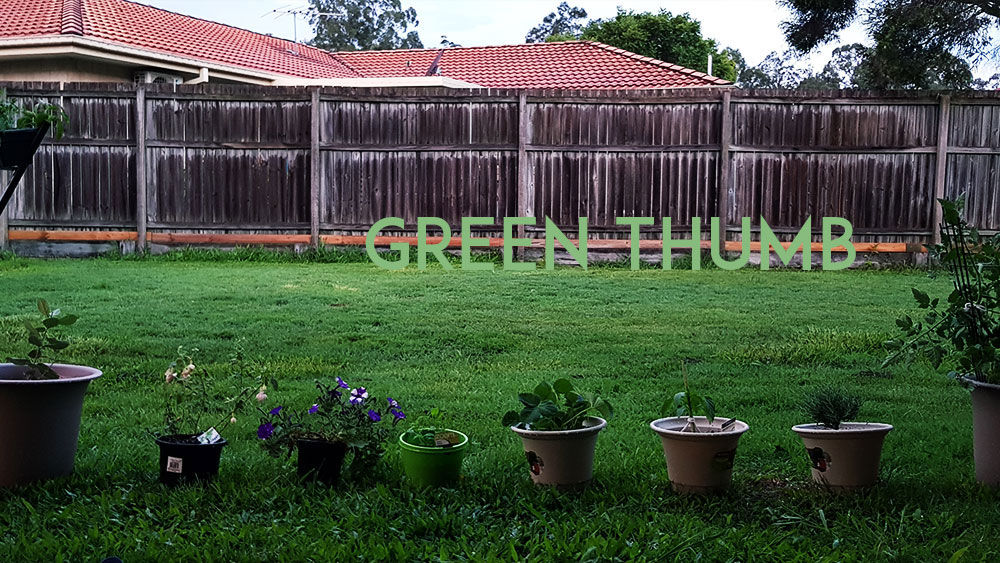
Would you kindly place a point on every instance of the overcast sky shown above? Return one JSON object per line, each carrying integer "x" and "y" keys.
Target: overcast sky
{"x": 752, "y": 26}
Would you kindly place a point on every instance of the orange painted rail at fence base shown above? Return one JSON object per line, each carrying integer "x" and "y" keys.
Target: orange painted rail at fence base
{"x": 349, "y": 240}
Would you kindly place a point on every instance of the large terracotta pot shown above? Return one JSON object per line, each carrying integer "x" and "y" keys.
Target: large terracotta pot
{"x": 847, "y": 458}
{"x": 986, "y": 431}
{"x": 699, "y": 462}
{"x": 564, "y": 458}
{"x": 40, "y": 422}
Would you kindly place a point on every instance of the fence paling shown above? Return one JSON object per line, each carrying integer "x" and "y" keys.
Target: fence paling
{"x": 305, "y": 160}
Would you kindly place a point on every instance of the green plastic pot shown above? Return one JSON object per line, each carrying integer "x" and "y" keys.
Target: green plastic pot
{"x": 433, "y": 466}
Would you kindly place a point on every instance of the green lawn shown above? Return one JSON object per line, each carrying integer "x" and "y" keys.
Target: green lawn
{"x": 468, "y": 342}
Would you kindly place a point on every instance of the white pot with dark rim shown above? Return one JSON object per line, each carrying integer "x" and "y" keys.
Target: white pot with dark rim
{"x": 699, "y": 462}
{"x": 563, "y": 458}
{"x": 846, "y": 458}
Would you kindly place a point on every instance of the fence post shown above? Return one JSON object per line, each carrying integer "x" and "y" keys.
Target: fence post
{"x": 725, "y": 140}
{"x": 525, "y": 199}
{"x": 141, "y": 193}
{"x": 314, "y": 169}
{"x": 940, "y": 167}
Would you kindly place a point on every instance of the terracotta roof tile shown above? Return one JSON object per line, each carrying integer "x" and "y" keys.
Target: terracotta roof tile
{"x": 570, "y": 65}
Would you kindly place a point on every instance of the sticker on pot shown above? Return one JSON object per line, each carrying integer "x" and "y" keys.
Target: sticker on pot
{"x": 175, "y": 465}
{"x": 535, "y": 463}
{"x": 820, "y": 459}
{"x": 723, "y": 461}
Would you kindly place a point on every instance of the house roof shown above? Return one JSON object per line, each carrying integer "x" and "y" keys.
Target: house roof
{"x": 571, "y": 64}
{"x": 137, "y": 25}
{"x": 568, "y": 64}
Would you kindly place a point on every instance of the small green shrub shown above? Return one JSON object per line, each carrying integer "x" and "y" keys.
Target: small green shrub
{"x": 831, "y": 406}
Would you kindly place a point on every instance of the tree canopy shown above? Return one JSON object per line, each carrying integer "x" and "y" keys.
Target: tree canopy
{"x": 566, "y": 23}
{"x": 916, "y": 43}
{"x": 360, "y": 25}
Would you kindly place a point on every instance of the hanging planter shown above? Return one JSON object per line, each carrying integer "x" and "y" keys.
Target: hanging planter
{"x": 18, "y": 146}
{"x": 21, "y": 133}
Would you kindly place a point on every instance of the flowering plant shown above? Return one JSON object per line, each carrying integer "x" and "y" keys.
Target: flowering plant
{"x": 193, "y": 398}
{"x": 339, "y": 414}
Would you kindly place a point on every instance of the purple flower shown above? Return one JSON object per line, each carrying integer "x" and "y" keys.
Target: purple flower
{"x": 398, "y": 414}
{"x": 342, "y": 384}
{"x": 314, "y": 409}
{"x": 276, "y": 410}
{"x": 358, "y": 395}
{"x": 374, "y": 415}
{"x": 264, "y": 431}
{"x": 335, "y": 394}
{"x": 392, "y": 403}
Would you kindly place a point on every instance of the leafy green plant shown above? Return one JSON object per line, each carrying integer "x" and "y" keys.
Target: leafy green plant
{"x": 963, "y": 328}
{"x": 46, "y": 341}
{"x": 558, "y": 406}
{"x": 831, "y": 406}
{"x": 14, "y": 115}
{"x": 689, "y": 404}
{"x": 339, "y": 414}
{"x": 428, "y": 431}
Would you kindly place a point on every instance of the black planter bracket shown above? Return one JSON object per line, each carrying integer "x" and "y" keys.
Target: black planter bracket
{"x": 21, "y": 167}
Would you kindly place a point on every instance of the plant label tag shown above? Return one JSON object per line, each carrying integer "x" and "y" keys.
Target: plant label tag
{"x": 175, "y": 465}
{"x": 210, "y": 436}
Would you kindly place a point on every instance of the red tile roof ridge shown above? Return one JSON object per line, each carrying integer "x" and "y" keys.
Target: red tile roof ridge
{"x": 657, "y": 62}
{"x": 72, "y": 17}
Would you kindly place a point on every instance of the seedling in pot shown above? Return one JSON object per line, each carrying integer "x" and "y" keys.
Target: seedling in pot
{"x": 542, "y": 411}
{"x": 691, "y": 405}
{"x": 46, "y": 341}
{"x": 830, "y": 406}
{"x": 426, "y": 432}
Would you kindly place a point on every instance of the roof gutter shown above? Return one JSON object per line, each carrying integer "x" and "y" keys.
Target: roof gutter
{"x": 28, "y": 47}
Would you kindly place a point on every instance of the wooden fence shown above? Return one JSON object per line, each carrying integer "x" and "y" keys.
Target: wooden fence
{"x": 189, "y": 163}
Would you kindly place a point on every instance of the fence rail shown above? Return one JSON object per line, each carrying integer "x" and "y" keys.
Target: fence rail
{"x": 330, "y": 162}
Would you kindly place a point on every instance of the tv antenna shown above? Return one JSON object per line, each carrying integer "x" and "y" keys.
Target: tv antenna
{"x": 295, "y": 12}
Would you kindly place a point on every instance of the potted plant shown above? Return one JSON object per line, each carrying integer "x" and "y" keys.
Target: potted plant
{"x": 40, "y": 405}
{"x": 22, "y": 129}
{"x": 698, "y": 446}
{"x": 342, "y": 425}
{"x": 558, "y": 427}
{"x": 844, "y": 455}
{"x": 432, "y": 455}
{"x": 196, "y": 407}
{"x": 963, "y": 330}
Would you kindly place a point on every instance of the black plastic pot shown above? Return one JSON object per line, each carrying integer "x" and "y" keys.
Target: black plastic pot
{"x": 18, "y": 146}
{"x": 321, "y": 461}
{"x": 183, "y": 459}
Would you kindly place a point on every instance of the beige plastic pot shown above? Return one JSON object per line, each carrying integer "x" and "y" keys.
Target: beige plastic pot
{"x": 40, "y": 422}
{"x": 564, "y": 458}
{"x": 847, "y": 458}
{"x": 986, "y": 431}
{"x": 699, "y": 462}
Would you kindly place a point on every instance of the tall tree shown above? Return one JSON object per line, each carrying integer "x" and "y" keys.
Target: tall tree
{"x": 672, "y": 38}
{"x": 362, "y": 25}
{"x": 917, "y": 43}
{"x": 563, "y": 24}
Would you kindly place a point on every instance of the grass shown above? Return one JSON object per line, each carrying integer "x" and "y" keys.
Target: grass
{"x": 468, "y": 342}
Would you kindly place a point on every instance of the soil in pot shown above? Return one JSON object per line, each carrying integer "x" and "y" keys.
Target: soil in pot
{"x": 564, "y": 458}
{"x": 320, "y": 460}
{"x": 986, "y": 432}
{"x": 845, "y": 459}
{"x": 183, "y": 459}
{"x": 699, "y": 462}
{"x": 434, "y": 466}
{"x": 40, "y": 422}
